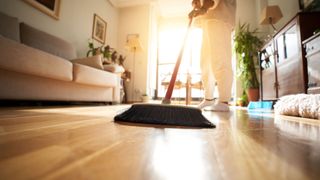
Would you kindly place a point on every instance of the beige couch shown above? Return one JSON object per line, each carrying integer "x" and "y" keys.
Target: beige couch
{"x": 39, "y": 68}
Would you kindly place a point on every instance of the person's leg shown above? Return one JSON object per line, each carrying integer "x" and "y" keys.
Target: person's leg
{"x": 221, "y": 65}
{"x": 207, "y": 76}
{"x": 208, "y": 81}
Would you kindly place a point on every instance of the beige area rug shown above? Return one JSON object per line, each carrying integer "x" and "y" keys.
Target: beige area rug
{"x": 301, "y": 105}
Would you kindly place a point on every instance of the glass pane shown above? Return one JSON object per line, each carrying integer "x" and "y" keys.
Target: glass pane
{"x": 170, "y": 42}
{"x": 281, "y": 48}
{"x": 291, "y": 42}
{"x": 267, "y": 58}
{"x": 287, "y": 44}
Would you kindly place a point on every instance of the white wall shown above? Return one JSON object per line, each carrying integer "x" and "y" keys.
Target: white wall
{"x": 152, "y": 55}
{"x": 249, "y": 11}
{"x": 135, "y": 20}
{"x": 246, "y": 12}
{"x": 289, "y": 9}
{"x": 260, "y": 5}
{"x": 75, "y": 23}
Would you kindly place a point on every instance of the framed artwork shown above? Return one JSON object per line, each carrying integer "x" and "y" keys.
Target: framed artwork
{"x": 99, "y": 29}
{"x": 309, "y": 5}
{"x": 49, "y": 7}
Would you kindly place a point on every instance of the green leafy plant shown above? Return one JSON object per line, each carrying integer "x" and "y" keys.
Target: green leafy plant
{"x": 247, "y": 45}
{"x": 243, "y": 99}
{"x": 108, "y": 53}
{"x": 92, "y": 50}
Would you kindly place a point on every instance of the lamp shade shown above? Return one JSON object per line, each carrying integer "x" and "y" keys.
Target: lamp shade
{"x": 133, "y": 43}
{"x": 270, "y": 15}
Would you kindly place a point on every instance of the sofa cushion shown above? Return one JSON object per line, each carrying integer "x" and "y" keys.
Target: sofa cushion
{"x": 9, "y": 27}
{"x": 23, "y": 59}
{"x": 46, "y": 42}
{"x": 87, "y": 75}
{"x": 93, "y": 61}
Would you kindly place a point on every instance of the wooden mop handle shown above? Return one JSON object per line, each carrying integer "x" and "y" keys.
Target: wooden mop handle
{"x": 167, "y": 98}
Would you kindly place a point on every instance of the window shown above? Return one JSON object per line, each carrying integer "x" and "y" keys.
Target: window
{"x": 170, "y": 43}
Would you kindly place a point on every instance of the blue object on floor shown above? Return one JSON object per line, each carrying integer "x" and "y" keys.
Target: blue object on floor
{"x": 260, "y": 105}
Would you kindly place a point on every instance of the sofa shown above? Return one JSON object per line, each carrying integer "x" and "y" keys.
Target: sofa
{"x": 35, "y": 65}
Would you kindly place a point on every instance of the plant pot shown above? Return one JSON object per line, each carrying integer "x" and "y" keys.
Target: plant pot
{"x": 241, "y": 103}
{"x": 145, "y": 98}
{"x": 253, "y": 94}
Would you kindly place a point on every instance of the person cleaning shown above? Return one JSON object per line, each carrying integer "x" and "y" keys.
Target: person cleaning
{"x": 217, "y": 20}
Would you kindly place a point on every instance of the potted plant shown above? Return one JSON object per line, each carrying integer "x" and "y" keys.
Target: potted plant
{"x": 243, "y": 100}
{"x": 110, "y": 55}
{"x": 92, "y": 50}
{"x": 247, "y": 45}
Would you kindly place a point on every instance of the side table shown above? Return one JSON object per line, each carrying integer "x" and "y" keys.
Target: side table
{"x": 125, "y": 77}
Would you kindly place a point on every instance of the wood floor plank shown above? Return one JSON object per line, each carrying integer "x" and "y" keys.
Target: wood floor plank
{"x": 84, "y": 143}
{"x": 60, "y": 118}
{"x": 33, "y": 165}
{"x": 158, "y": 154}
{"x": 79, "y": 147}
{"x": 244, "y": 157}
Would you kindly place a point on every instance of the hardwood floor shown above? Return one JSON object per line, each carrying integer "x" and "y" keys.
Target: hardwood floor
{"x": 85, "y": 143}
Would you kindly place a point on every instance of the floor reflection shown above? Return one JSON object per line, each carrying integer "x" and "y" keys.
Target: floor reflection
{"x": 179, "y": 157}
{"x": 306, "y": 129}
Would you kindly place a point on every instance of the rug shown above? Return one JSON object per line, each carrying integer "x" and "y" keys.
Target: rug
{"x": 300, "y": 105}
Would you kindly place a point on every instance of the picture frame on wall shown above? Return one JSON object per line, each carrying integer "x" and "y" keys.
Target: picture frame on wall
{"x": 303, "y": 4}
{"x": 49, "y": 7}
{"x": 309, "y": 5}
{"x": 99, "y": 29}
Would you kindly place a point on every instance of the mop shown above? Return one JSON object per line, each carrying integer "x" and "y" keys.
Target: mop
{"x": 166, "y": 114}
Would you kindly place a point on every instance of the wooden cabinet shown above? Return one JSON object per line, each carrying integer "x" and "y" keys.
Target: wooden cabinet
{"x": 282, "y": 59}
{"x": 312, "y": 46}
{"x": 268, "y": 72}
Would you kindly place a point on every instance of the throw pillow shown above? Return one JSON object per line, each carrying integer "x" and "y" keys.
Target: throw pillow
{"x": 93, "y": 61}
{"x": 114, "y": 68}
{"x": 9, "y": 27}
{"x": 46, "y": 42}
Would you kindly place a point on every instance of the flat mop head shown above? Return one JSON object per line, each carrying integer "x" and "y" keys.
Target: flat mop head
{"x": 164, "y": 115}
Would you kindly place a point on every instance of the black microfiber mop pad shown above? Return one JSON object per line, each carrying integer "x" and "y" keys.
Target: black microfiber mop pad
{"x": 164, "y": 115}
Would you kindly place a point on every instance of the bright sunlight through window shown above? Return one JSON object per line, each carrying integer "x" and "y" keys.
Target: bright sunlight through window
{"x": 170, "y": 43}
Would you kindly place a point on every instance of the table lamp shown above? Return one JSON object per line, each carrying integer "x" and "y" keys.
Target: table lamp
{"x": 133, "y": 44}
{"x": 270, "y": 15}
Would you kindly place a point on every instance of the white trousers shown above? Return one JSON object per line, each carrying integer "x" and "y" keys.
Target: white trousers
{"x": 216, "y": 56}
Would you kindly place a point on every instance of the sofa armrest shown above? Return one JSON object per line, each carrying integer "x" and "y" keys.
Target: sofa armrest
{"x": 116, "y": 91}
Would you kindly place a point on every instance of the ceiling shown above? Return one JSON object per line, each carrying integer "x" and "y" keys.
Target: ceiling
{"x": 167, "y": 7}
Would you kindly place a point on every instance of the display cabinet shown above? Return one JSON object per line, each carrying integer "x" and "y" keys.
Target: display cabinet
{"x": 282, "y": 60}
{"x": 268, "y": 71}
{"x": 312, "y": 46}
